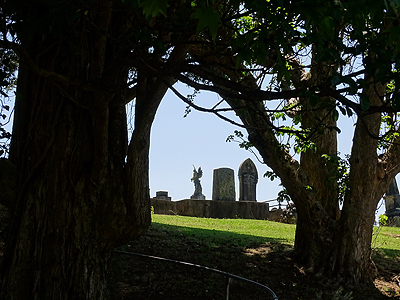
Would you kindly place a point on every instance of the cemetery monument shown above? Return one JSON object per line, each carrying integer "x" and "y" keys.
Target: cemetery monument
{"x": 248, "y": 178}
{"x": 392, "y": 200}
{"x": 223, "y": 185}
{"x": 198, "y": 191}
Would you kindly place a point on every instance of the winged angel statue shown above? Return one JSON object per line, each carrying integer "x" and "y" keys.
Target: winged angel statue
{"x": 198, "y": 192}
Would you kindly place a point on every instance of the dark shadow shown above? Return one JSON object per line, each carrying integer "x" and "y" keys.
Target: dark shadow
{"x": 265, "y": 260}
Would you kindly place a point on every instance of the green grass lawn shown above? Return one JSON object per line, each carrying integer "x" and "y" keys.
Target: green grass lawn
{"x": 245, "y": 231}
{"x": 387, "y": 241}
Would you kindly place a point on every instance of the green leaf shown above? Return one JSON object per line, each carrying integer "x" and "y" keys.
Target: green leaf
{"x": 335, "y": 115}
{"x": 153, "y": 8}
{"x": 271, "y": 175}
{"x": 208, "y": 17}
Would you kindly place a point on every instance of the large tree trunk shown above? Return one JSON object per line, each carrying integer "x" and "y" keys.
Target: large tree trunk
{"x": 317, "y": 215}
{"x": 81, "y": 191}
{"x": 369, "y": 179}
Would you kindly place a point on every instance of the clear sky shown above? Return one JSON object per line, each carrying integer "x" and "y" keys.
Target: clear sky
{"x": 178, "y": 143}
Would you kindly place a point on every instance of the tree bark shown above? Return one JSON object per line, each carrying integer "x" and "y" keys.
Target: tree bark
{"x": 82, "y": 191}
{"x": 369, "y": 179}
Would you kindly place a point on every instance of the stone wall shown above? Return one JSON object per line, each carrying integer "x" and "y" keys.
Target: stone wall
{"x": 212, "y": 209}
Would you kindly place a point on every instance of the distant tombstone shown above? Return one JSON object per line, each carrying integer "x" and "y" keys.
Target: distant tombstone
{"x": 395, "y": 221}
{"x": 223, "y": 185}
{"x": 392, "y": 200}
{"x": 162, "y": 195}
{"x": 198, "y": 191}
{"x": 248, "y": 178}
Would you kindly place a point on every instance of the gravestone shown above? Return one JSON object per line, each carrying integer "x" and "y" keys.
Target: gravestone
{"x": 223, "y": 185}
{"x": 395, "y": 221}
{"x": 392, "y": 200}
{"x": 198, "y": 190}
{"x": 162, "y": 195}
{"x": 248, "y": 178}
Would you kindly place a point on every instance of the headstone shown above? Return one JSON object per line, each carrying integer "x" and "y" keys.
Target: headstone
{"x": 248, "y": 178}
{"x": 223, "y": 185}
{"x": 198, "y": 191}
{"x": 395, "y": 221}
{"x": 162, "y": 195}
{"x": 392, "y": 200}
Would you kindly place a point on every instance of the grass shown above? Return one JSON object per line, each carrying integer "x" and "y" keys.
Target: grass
{"x": 254, "y": 249}
{"x": 387, "y": 239}
{"x": 249, "y": 230}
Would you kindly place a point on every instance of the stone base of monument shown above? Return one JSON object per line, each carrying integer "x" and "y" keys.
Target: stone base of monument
{"x": 394, "y": 221}
{"x": 162, "y": 195}
{"x": 393, "y": 217}
{"x": 213, "y": 209}
{"x": 198, "y": 197}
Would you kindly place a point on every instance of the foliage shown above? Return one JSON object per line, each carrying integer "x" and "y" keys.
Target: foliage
{"x": 239, "y": 137}
{"x": 383, "y": 220}
{"x": 339, "y": 173}
{"x": 271, "y": 175}
{"x": 283, "y": 196}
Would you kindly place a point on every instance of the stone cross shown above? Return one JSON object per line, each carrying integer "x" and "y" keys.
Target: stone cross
{"x": 223, "y": 185}
{"x": 248, "y": 178}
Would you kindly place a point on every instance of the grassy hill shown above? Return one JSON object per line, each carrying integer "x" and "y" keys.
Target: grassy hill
{"x": 254, "y": 249}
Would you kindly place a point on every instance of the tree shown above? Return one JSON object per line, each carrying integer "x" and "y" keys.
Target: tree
{"x": 82, "y": 188}
{"x": 351, "y": 68}
{"x": 82, "y": 185}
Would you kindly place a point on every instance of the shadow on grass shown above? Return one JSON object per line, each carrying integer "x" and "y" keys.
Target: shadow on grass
{"x": 388, "y": 253}
{"x": 262, "y": 259}
{"x": 138, "y": 278}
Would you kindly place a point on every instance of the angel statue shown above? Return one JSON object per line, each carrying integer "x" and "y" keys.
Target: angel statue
{"x": 198, "y": 193}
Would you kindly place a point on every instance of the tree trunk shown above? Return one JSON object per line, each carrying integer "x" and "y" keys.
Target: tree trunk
{"x": 327, "y": 241}
{"x": 59, "y": 242}
{"x": 81, "y": 191}
{"x": 368, "y": 180}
